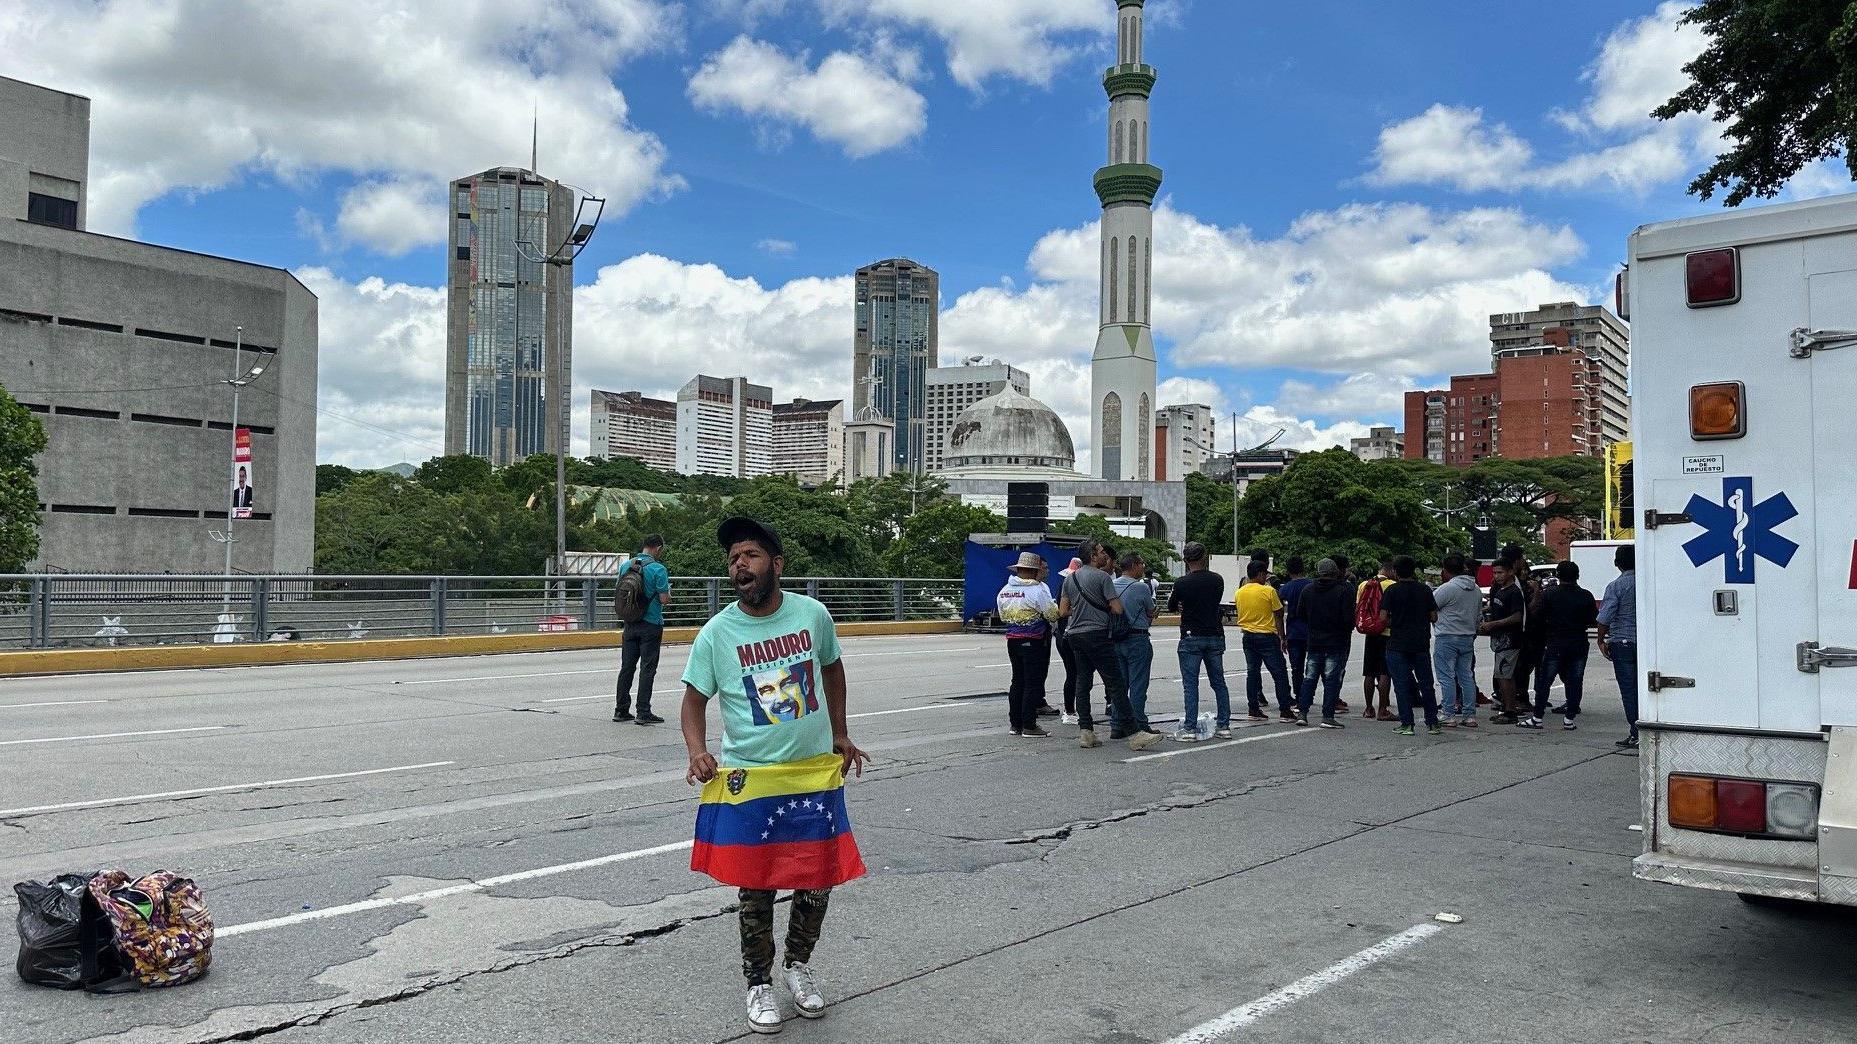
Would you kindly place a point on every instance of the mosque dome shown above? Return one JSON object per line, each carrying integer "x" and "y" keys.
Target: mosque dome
{"x": 1008, "y": 431}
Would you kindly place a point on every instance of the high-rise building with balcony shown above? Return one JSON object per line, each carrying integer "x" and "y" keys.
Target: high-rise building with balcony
{"x": 894, "y": 345}
{"x": 1600, "y": 344}
{"x": 725, "y": 426}
{"x": 628, "y": 424}
{"x": 809, "y": 440}
{"x": 509, "y": 326}
{"x": 1182, "y": 441}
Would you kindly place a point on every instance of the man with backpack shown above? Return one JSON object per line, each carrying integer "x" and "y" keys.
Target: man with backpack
{"x": 1367, "y": 620}
{"x": 643, "y": 590}
{"x": 1095, "y": 627}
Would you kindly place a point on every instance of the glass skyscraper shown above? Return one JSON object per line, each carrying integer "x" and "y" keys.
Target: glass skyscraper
{"x": 894, "y": 347}
{"x": 509, "y": 331}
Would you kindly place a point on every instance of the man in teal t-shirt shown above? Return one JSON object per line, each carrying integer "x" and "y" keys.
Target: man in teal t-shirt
{"x": 771, "y": 660}
{"x": 643, "y": 638}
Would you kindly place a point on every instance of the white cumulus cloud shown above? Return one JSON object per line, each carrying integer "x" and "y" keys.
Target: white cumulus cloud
{"x": 198, "y": 95}
{"x": 1616, "y": 143}
{"x": 851, "y": 101}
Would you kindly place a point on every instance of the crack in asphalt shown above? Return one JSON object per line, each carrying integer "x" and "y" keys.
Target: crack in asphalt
{"x": 555, "y": 953}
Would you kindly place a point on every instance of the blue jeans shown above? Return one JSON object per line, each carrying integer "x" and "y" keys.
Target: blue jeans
{"x": 1194, "y": 650}
{"x": 1412, "y": 677}
{"x": 1136, "y": 654}
{"x": 1265, "y": 652}
{"x": 1455, "y": 656}
{"x": 1625, "y": 667}
{"x": 1326, "y": 667}
{"x": 1567, "y": 662}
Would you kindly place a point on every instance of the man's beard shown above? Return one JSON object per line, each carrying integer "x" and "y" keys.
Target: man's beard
{"x": 761, "y": 592}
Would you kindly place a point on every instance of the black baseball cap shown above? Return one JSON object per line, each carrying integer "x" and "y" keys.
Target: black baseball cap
{"x": 733, "y": 531}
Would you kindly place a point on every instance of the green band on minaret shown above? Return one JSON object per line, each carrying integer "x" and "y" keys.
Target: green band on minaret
{"x": 1129, "y": 79}
{"x": 1128, "y": 183}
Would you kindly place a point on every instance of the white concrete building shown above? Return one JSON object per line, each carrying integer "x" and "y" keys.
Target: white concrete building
{"x": 1381, "y": 443}
{"x": 725, "y": 426}
{"x": 122, "y": 350}
{"x": 809, "y": 440}
{"x": 628, "y": 424}
{"x": 952, "y": 389}
{"x": 1122, "y": 370}
{"x": 1182, "y": 441}
{"x": 870, "y": 446}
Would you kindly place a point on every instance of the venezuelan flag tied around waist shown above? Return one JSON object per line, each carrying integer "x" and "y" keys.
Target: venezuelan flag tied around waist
{"x": 777, "y": 827}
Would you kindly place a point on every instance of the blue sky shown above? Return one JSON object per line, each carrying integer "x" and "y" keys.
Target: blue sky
{"x": 1351, "y": 187}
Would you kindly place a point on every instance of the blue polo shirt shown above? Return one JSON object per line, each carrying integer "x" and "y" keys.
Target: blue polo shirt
{"x": 657, "y": 581}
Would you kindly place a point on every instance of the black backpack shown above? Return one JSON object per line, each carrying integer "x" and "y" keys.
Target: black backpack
{"x": 629, "y": 600}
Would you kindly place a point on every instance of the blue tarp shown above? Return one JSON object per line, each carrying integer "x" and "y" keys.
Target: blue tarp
{"x": 989, "y": 566}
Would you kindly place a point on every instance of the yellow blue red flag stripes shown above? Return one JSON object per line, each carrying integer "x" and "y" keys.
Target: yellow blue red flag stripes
{"x": 777, "y": 827}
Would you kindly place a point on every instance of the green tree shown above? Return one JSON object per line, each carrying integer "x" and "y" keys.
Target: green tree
{"x": 381, "y": 523}
{"x": 814, "y": 525}
{"x": 1209, "y": 513}
{"x": 1333, "y": 501}
{"x": 22, "y": 438}
{"x": 458, "y": 472}
{"x": 331, "y": 477}
{"x": 934, "y": 541}
{"x": 1518, "y": 497}
{"x": 880, "y": 507}
{"x": 1782, "y": 76}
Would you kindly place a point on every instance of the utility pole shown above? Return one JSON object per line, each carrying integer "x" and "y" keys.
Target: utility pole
{"x": 235, "y": 382}
{"x": 1234, "y": 484}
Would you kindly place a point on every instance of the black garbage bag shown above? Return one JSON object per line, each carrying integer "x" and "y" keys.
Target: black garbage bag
{"x": 64, "y": 939}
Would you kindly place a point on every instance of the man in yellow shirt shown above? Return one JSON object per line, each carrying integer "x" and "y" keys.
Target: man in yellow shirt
{"x": 1260, "y": 618}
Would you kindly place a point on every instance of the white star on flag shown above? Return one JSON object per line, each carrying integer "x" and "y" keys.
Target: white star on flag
{"x": 806, "y": 803}
{"x": 780, "y": 811}
{"x": 770, "y": 820}
{"x": 764, "y": 834}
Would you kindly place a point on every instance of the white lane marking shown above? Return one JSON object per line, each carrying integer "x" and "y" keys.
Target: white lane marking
{"x": 384, "y": 902}
{"x": 982, "y": 666}
{"x": 1307, "y": 986}
{"x": 1197, "y": 747}
{"x": 101, "y": 802}
{"x": 49, "y": 703}
{"x": 504, "y": 677}
{"x": 110, "y": 735}
{"x": 905, "y": 710}
{"x": 608, "y": 696}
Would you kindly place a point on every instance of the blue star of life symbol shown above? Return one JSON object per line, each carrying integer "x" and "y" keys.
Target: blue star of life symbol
{"x": 1738, "y": 530}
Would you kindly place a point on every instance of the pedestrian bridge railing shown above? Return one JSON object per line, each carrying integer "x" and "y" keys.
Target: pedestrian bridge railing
{"x": 78, "y": 610}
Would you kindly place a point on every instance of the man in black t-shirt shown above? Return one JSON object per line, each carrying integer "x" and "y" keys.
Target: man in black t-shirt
{"x": 1408, "y": 611}
{"x": 1567, "y": 611}
{"x": 1503, "y": 617}
{"x": 1196, "y": 597}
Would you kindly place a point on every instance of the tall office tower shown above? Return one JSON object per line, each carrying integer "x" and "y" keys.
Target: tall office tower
{"x": 509, "y": 330}
{"x": 725, "y": 426}
{"x": 1122, "y": 370}
{"x": 1601, "y": 372}
{"x": 1182, "y": 441}
{"x": 627, "y": 424}
{"x": 893, "y": 348}
{"x": 809, "y": 440}
{"x": 952, "y": 389}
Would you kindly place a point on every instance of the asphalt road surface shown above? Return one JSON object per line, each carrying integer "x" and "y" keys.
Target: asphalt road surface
{"x": 469, "y": 850}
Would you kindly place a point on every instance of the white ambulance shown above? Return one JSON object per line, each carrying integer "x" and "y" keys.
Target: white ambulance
{"x": 1744, "y": 414}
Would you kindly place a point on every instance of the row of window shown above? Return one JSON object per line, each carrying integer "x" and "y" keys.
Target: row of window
{"x": 144, "y": 512}
{"x": 19, "y": 315}
{"x": 142, "y": 418}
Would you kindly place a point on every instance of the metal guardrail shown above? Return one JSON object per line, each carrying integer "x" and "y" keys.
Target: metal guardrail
{"x": 75, "y": 610}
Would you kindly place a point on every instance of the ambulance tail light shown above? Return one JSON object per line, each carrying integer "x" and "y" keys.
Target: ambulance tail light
{"x": 1716, "y": 411}
{"x": 1713, "y": 277}
{"x": 1746, "y": 807}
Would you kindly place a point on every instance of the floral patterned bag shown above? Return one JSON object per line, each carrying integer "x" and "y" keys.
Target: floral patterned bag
{"x": 163, "y": 930}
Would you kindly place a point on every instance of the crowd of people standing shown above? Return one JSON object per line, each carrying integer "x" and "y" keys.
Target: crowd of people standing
{"x": 1419, "y": 642}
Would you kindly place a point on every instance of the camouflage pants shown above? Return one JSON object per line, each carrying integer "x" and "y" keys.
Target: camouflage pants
{"x": 757, "y": 918}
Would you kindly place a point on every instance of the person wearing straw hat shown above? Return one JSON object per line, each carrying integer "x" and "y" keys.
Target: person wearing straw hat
{"x": 1028, "y": 611}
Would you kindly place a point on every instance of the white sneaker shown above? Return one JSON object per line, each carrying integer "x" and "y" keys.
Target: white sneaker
{"x": 763, "y": 1010}
{"x": 1186, "y": 736}
{"x": 805, "y": 990}
{"x": 1068, "y": 719}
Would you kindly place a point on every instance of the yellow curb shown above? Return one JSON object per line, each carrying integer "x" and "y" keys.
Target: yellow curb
{"x": 250, "y": 654}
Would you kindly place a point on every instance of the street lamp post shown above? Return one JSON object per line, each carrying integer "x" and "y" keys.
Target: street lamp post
{"x": 238, "y": 380}
{"x": 563, "y": 255}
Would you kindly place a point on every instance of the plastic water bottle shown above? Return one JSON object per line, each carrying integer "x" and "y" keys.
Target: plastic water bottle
{"x": 1204, "y": 725}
